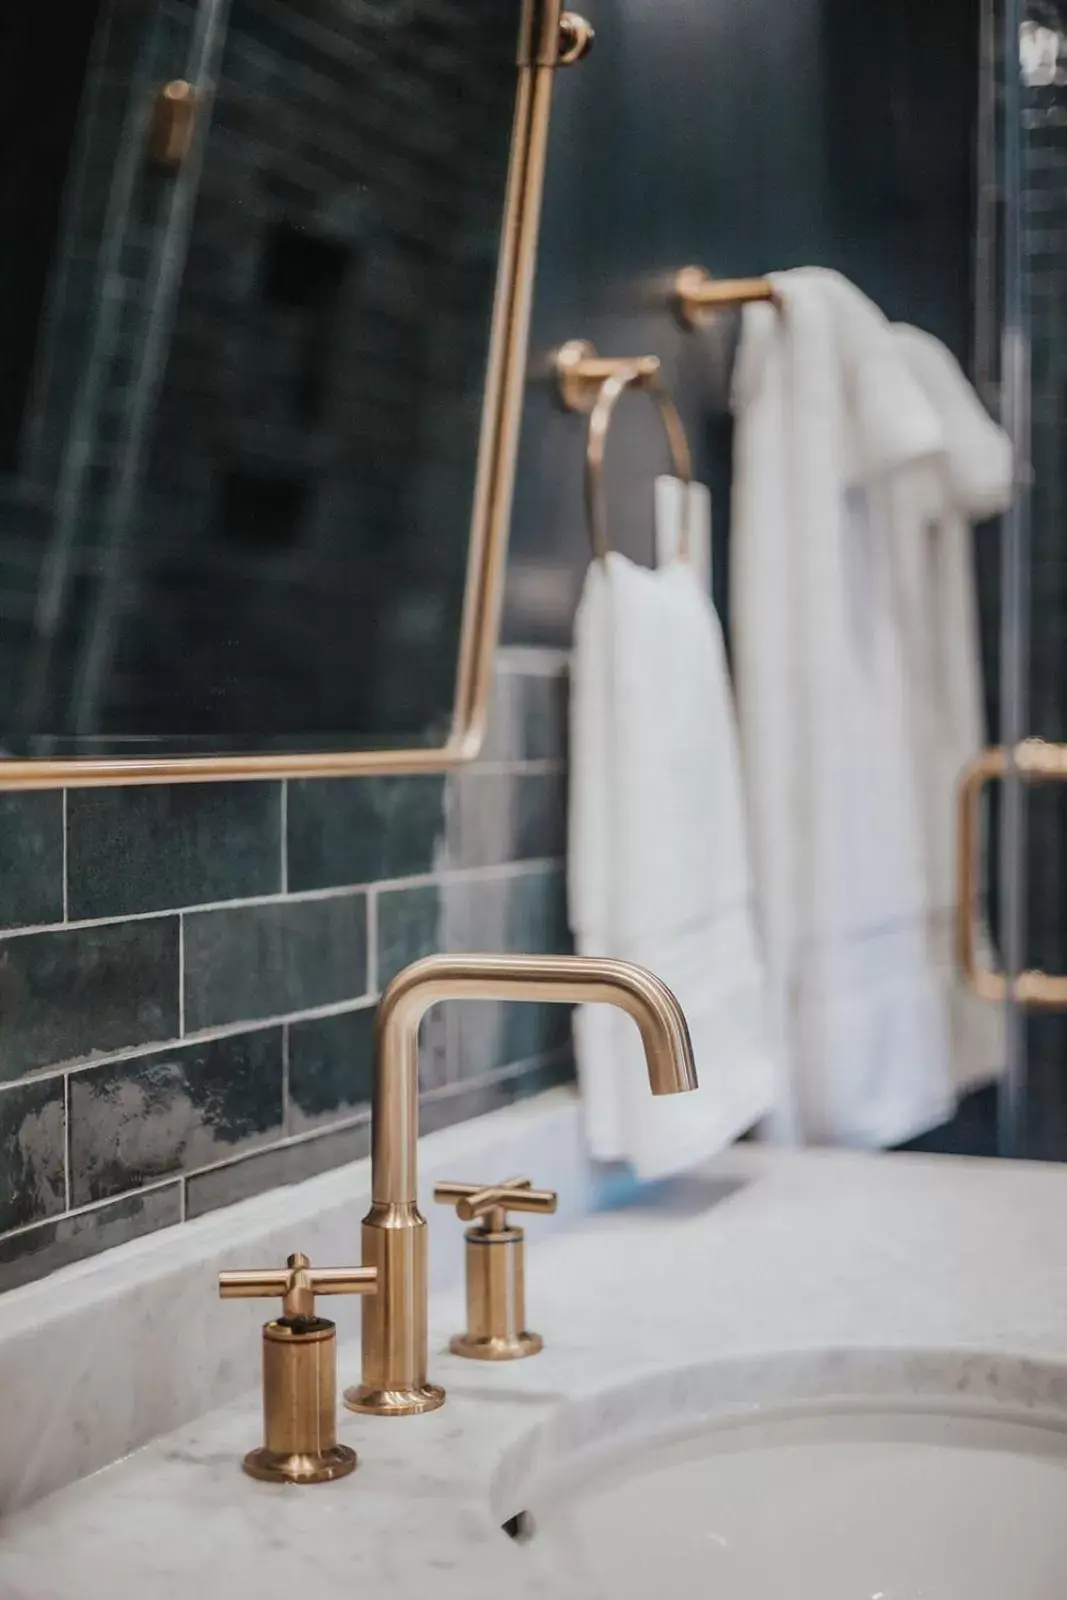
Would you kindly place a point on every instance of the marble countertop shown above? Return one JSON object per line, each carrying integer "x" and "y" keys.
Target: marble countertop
{"x": 757, "y": 1253}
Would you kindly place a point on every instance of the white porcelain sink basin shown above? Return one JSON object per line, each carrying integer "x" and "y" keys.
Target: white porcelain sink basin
{"x": 829, "y": 1476}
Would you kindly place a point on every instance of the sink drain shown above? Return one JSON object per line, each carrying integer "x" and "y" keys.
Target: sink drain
{"x": 520, "y": 1527}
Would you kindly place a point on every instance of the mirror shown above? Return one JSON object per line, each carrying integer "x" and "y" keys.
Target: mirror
{"x": 267, "y": 279}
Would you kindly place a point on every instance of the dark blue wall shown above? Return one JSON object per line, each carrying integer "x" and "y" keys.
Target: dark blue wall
{"x": 767, "y": 134}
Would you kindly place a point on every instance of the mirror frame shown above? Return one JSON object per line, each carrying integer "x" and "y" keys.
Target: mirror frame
{"x": 548, "y": 38}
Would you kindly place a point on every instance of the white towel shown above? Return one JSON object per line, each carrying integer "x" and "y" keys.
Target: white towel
{"x": 830, "y": 419}
{"x": 928, "y": 512}
{"x": 657, "y": 863}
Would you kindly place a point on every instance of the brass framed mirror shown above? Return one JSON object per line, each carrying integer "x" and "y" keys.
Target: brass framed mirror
{"x": 264, "y": 382}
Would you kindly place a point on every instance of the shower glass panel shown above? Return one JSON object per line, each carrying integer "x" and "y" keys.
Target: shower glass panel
{"x": 1021, "y": 367}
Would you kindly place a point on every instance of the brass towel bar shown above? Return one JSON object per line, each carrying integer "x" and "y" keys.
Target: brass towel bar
{"x": 1035, "y": 761}
{"x": 594, "y": 384}
{"x": 697, "y": 295}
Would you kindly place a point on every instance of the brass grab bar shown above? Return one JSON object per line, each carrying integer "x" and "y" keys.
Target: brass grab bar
{"x": 1036, "y": 762}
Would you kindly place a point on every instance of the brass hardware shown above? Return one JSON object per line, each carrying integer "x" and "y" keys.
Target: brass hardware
{"x": 394, "y": 1379}
{"x": 594, "y": 384}
{"x": 1035, "y": 761}
{"x": 496, "y": 1287}
{"x": 697, "y": 295}
{"x": 172, "y": 124}
{"x": 581, "y": 373}
{"x": 577, "y": 38}
{"x": 546, "y": 41}
{"x": 299, "y": 1370}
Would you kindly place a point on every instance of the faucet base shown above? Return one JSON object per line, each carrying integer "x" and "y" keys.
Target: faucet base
{"x": 297, "y": 1466}
{"x": 394, "y": 1402}
{"x": 496, "y": 1347}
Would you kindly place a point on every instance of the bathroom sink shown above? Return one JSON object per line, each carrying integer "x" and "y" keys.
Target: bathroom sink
{"x": 853, "y": 1475}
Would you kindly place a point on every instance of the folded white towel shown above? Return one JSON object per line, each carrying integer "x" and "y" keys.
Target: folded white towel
{"x": 658, "y": 870}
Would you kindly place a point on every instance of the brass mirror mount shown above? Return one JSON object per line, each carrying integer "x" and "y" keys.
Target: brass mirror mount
{"x": 496, "y": 1280}
{"x": 299, "y": 1369}
{"x": 576, "y": 38}
{"x": 171, "y": 124}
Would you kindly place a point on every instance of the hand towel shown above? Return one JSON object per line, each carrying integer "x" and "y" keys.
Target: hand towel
{"x": 827, "y": 412}
{"x": 657, "y": 863}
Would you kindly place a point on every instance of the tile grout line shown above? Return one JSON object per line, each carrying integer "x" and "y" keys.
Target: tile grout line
{"x": 372, "y": 941}
{"x": 66, "y": 1143}
{"x": 97, "y": 1205}
{"x": 511, "y": 1069}
{"x": 343, "y": 1124}
{"x": 291, "y": 1141}
{"x": 66, "y": 888}
{"x": 520, "y": 767}
{"x": 285, "y": 1080}
{"x": 181, "y": 975}
{"x": 441, "y": 876}
{"x": 358, "y": 1119}
{"x": 227, "y": 1030}
{"x": 283, "y": 829}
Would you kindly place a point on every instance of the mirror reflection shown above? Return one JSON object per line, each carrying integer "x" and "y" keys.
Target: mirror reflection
{"x": 249, "y": 268}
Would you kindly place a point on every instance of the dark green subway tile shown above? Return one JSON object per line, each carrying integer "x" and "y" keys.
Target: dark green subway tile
{"x": 41, "y": 1250}
{"x": 31, "y": 859}
{"x": 409, "y": 926}
{"x": 513, "y": 912}
{"x": 521, "y": 912}
{"x": 329, "y": 1068}
{"x": 246, "y": 962}
{"x": 498, "y": 817}
{"x": 493, "y": 1033}
{"x": 290, "y": 1163}
{"x": 32, "y": 1161}
{"x": 71, "y": 993}
{"x": 536, "y": 916}
{"x": 443, "y": 1110}
{"x": 361, "y": 830}
{"x": 528, "y": 715}
{"x": 437, "y": 1111}
{"x": 137, "y": 1120}
{"x": 516, "y": 912}
{"x": 156, "y": 849}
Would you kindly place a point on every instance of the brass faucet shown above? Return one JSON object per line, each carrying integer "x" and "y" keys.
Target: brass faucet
{"x": 395, "y": 1347}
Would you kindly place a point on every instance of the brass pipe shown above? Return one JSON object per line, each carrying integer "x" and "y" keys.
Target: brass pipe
{"x": 395, "y": 1346}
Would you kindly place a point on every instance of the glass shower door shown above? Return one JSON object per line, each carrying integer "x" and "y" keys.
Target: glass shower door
{"x": 1021, "y": 366}
{"x": 128, "y": 198}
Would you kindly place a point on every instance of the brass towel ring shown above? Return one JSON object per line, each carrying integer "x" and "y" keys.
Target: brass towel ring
{"x": 596, "y": 502}
{"x": 588, "y": 382}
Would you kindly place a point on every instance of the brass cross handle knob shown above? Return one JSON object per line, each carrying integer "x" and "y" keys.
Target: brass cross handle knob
{"x": 299, "y": 1369}
{"x": 298, "y": 1282}
{"x": 492, "y": 1202}
{"x": 496, "y": 1290}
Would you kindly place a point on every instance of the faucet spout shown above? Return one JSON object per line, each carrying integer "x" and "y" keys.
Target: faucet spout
{"x": 394, "y": 1233}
